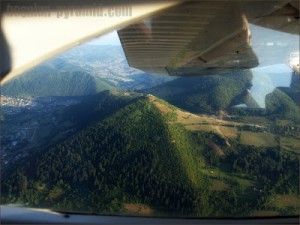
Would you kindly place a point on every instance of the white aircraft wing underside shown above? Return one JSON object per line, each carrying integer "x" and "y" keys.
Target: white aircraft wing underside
{"x": 204, "y": 37}
{"x": 174, "y": 37}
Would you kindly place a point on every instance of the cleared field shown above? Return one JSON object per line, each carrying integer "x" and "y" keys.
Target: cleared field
{"x": 256, "y": 120}
{"x": 229, "y": 129}
{"x": 221, "y": 181}
{"x": 258, "y": 139}
{"x": 140, "y": 209}
{"x": 213, "y": 173}
{"x": 218, "y": 175}
{"x": 218, "y": 185}
{"x": 286, "y": 200}
{"x": 244, "y": 183}
{"x": 290, "y": 144}
{"x": 187, "y": 118}
{"x": 228, "y": 132}
{"x": 264, "y": 213}
{"x": 284, "y": 123}
{"x": 161, "y": 107}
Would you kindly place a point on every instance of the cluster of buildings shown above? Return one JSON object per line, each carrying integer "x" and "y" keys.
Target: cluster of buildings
{"x": 17, "y": 102}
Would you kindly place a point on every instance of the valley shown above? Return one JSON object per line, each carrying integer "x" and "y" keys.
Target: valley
{"x": 135, "y": 154}
{"x": 86, "y": 133}
{"x": 29, "y": 125}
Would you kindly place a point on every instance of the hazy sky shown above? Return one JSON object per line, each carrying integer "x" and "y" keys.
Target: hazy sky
{"x": 111, "y": 38}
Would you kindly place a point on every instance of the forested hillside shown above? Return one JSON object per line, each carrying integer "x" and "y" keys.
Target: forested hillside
{"x": 55, "y": 78}
{"x": 206, "y": 94}
{"x": 129, "y": 157}
{"x": 294, "y": 90}
{"x": 141, "y": 155}
{"x": 97, "y": 107}
{"x": 210, "y": 94}
{"x": 280, "y": 105}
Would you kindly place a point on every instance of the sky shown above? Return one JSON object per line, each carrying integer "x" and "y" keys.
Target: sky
{"x": 266, "y": 79}
{"x": 111, "y": 38}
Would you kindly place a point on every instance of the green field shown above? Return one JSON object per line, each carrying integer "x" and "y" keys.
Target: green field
{"x": 290, "y": 144}
{"x": 264, "y": 213}
{"x": 280, "y": 205}
{"x": 218, "y": 185}
{"x": 286, "y": 200}
{"x": 223, "y": 131}
{"x": 256, "y": 120}
{"x": 258, "y": 139}
{"x": 217, "y": 175}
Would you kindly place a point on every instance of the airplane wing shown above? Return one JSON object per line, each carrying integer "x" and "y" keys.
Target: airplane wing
{"x": 204, "y": 37}
{"x": 175, "y": 37}
{"x": 33, "y": 31}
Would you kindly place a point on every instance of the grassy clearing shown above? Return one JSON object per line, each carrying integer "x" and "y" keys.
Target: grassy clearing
{"x": 187, "y": 118}
{"x": 258, "y": 139}
{"x": 265, "y": 213}
{"x": 286, "y": 200}
{"x": 217, "y": 178}
{"x": 244, "y": 183}
{"x": 219, "y": 185}
{"x": 284, "y": 123}
{"x": 138, "y": 209}
{"x": 257, "y": 120}
{"x": 226, "y": 129}
{"x": 221, "y": 181}
{"x": 290, "y": 144}
{"x": 228, "y": 132}
{"x": 216, "y": 174}
{"x": 160, "y": 106}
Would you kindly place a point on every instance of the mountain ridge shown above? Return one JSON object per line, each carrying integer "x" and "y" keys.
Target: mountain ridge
{"x": 145, "y": 152}
{"x": 54, "y": 78}
{"x": 145, "y": 166}
{"x": 205, "y": 94}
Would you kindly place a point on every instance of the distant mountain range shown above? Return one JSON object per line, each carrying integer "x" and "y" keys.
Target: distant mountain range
{"x": 109, "y": 63}
{"x": 55, "y": 78}
{"x": 83, "y": 70}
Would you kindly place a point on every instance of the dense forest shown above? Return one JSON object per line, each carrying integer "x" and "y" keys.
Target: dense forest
{"x": 138, "y": 155}
{"x": 96, "y": 107}
{"x": 205, "y": 94}
{"x": 128, "y": 157}
{"x": 274, "y": 171}
{"x": 280, "y": 105}
{"x": 210, "y": 94}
